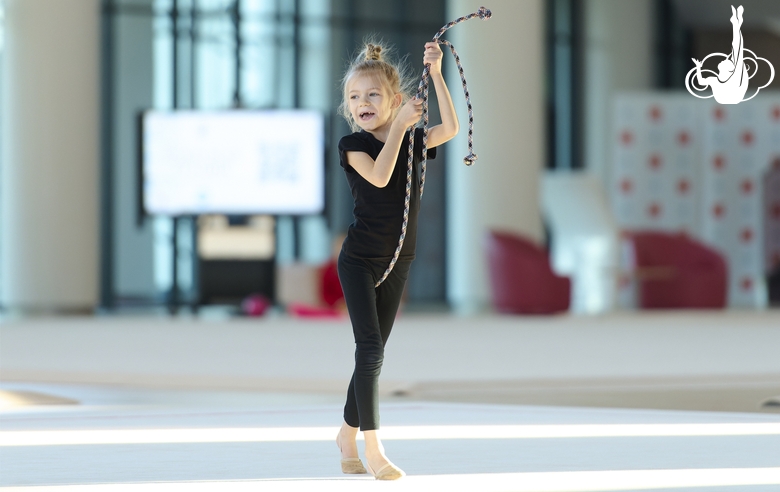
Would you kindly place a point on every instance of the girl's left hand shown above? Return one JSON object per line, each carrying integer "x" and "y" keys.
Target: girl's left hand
{"x": 433, "y": 57}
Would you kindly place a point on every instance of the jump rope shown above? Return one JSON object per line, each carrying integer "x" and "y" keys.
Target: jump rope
{"x": 422, "y": 91}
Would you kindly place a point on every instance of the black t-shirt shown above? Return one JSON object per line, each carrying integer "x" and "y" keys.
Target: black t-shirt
{"x": 379, "y": 212}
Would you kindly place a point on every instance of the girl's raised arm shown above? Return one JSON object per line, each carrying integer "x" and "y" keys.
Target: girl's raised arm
{"x": 449, "y": 126}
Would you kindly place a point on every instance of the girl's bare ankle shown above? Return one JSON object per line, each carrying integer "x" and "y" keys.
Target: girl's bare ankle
{"x": 347, "y": 431}
{"x": 375, "y": 454}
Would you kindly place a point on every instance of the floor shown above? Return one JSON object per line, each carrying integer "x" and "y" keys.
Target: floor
{"x": 674, "y": 401}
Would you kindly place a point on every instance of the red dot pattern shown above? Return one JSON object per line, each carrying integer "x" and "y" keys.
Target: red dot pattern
{"x": 746, "y": 283}
{"x": 664, "y": 162}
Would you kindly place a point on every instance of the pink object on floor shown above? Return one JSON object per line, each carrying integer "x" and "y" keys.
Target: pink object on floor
{"x": 306, "y": 311}
{"x": 255, "y": 305}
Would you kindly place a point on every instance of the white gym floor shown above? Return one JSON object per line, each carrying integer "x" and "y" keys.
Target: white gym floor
{"x": 490, "y": 403}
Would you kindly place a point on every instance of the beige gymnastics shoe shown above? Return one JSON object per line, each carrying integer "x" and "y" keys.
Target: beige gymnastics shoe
{"x": 352, "y": 466}
{"x": 387, "y": 472}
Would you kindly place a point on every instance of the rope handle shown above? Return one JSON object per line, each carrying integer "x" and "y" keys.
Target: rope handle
{"x": 422, "y": 91}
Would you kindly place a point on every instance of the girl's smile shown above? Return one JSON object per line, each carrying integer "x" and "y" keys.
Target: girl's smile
{"x": 366, "y": 115}
{"x": 371, "y": 105}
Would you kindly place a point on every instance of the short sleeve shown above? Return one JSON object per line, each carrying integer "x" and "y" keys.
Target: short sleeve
{"x": 418, "y": 145}
{"x": 349, "y": 143}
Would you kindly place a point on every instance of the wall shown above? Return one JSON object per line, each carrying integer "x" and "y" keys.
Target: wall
{"x": 618, "y": 57}
{"x": 49, "y": 196}
{"x": 503, "y": 60}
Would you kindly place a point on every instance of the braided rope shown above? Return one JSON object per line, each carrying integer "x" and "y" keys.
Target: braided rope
{"x": 422, "y": 90}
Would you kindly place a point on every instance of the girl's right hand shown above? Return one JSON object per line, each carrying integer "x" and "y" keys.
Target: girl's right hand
{"x": 410, "y": 113}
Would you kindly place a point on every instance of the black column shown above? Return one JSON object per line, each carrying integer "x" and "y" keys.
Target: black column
{"x": 106, "y": 152}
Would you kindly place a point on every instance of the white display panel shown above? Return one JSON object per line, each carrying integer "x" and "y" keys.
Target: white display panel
{"x": 233, "y": 162}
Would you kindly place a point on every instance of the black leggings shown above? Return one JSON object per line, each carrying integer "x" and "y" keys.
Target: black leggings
{"x": 372, "y": 311}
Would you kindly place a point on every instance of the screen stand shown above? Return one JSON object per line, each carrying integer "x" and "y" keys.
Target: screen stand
{"x": 195, "y": 268}
{"x": 296, "y": 238}
{"x": 173, "y": 294}
{"x": 175, "y": 298}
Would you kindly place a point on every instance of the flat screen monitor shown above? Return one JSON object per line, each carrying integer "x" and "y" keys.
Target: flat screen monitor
{"x": 233, "y": 162}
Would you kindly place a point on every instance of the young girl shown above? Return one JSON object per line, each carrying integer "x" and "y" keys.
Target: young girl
{"x": 374, "y": 158}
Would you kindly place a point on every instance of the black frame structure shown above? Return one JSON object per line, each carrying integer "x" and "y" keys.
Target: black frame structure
{"x": 565, "y": 83}
{"x": 673, "y": 47}
{"x": 107, "y": 294}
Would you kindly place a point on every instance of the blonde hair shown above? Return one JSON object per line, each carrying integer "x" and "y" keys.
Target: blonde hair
{"x": 371, "y": 61}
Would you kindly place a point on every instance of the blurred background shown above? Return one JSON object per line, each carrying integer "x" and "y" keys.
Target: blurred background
{"x": 120, "y": 192}
{"x": 172, "y": 205}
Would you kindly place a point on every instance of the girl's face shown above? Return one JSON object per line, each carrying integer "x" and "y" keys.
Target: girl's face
{"x": 371, "y": 104}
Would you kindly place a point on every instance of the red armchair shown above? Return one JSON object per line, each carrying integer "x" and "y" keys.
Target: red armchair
{"x": 676, "y": 271}
{"x": 521, "y": 279}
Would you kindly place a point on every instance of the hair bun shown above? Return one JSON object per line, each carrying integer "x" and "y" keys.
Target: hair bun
{"x": 373, "y": 52}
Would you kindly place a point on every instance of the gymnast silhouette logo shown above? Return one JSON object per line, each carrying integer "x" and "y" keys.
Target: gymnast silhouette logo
{"x": 735, "y": 70}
